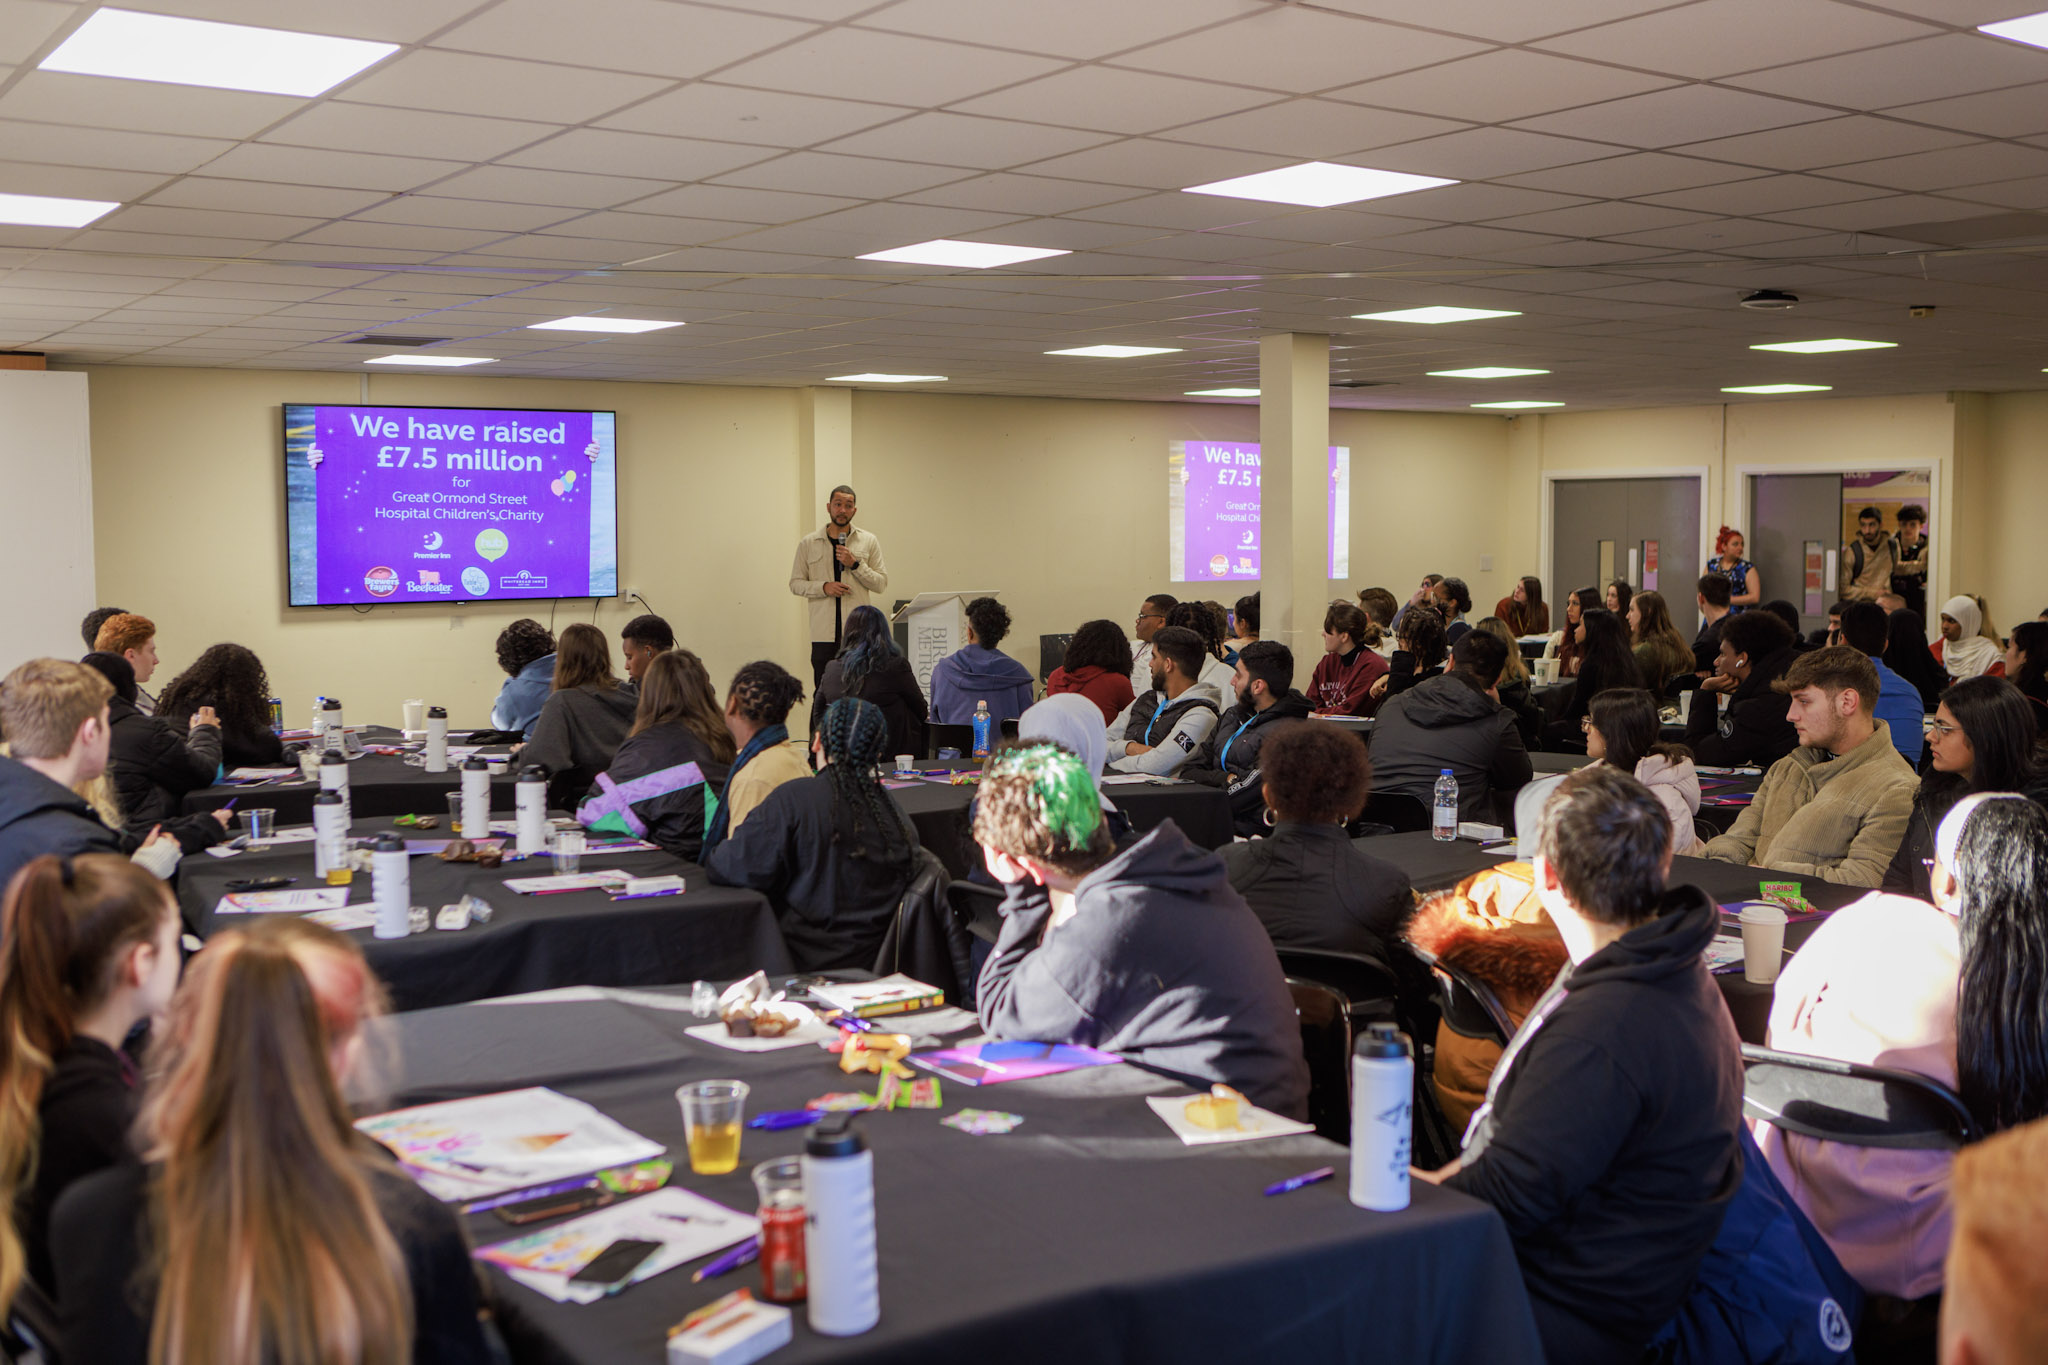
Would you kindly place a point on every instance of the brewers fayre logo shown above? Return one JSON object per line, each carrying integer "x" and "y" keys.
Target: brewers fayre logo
{"x": 1219, "y": 565}
{"x": 381, "y": 581}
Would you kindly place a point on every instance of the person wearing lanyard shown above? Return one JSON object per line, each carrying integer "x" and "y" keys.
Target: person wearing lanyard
{"x": 1230, "y": 758}
{"x": 838, "y": 567}
{"x": 1159, "y": 732}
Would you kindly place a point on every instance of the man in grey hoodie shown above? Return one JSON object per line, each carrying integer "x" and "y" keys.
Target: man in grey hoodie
{"x": 1454, "y": 721}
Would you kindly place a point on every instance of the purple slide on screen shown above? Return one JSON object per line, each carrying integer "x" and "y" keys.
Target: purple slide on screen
{"x": 1213, "y": 501}
{"x": 388, "y": 504}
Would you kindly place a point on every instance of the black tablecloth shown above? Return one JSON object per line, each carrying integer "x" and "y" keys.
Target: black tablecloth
{"x": 379, "y": 785}
{"x": 1432, "y": 866}
{"x": 532, "y": 943}
{"x": 939, "y": 811}
{"x": 1090, "y": 1234}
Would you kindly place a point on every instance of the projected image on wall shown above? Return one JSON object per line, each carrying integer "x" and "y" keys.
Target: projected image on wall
{"x": 1212, "y": 500}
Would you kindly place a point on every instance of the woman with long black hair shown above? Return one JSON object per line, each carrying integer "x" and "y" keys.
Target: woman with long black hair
{"x": 832, "y": 853}
{"x": 1565, "y": 644}
{"x": 230, "y": 679}
{"x": 2026, "y": 667}
{"x": 1606, "y": 661}
{"x": 871, "y": 667}
{"x": 1983, "y": 740}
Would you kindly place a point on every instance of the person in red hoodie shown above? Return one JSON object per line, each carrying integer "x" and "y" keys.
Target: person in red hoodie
{"x": 1098, "y": 666}
{"x": 1342, "y": 682}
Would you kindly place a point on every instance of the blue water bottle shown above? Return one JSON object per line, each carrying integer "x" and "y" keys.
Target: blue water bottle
{"x": 984, "y": 727}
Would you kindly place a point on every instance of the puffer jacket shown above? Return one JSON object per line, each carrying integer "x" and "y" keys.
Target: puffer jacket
{"x": 1839, "y": 819}
{"x": 1675, "y": 784}
{"x": 153, "y": 766}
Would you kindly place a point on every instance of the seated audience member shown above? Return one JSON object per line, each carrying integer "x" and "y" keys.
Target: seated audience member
{"x": 1661, "y": 652}
{"x": 1094, "y": 667}
{"x": 1892, "y": 602}
{"x": 1162, "y": 728}
{"x": 1197, "y": 617}
{"x": 871, "y": 667}
{"x": 1419, "y": 652}
{"x": 132, "y": 638}
{"x": 206, "y": 1250}
{"x": 1151, "y": 619}
{"x": 586, "y": 717}
{"x": 1820, "y": 637}
{"x": 1609, "y": 1141}
{"x": 1837, "y": 806}
{"x": 2026, "y": 667}
{"x": 1964, "y": 651}
{"x": 644, "y": 638}
{"x": 88, "y": 950}
{"x": 1995, "y": 1309}
{"x": 1221, "y": 615}
{"x": 677, "y": 752}
{"x": 1062, "y": 721}
{"x": 1906, "y": 654}
{"x": 1341, "y": 684}
{"x": 1755, "y": 650}
{"x": 1606, "y": 661}
{"x": 1711, "y": 596}
{"x": 1513, "y": 690}
{"x": 1950, "y": 993}
{"x": 1983, "y": 740}
{"x": 526, "y": 651}
{"x": 832, "y": 853}
{"x": 1621, "y": 732}
{"x": 980, "y": 672}
{"x": 1244, "y": 622}
{"x": 1308, "y": 883}
{"x": 1564, "y": 644}
{"x": 1263, "y": 685}
{"x": 1898, "y": 701}
{"x": 230, "y": 681}
{"x": 757, "y": 708}
{"x": 1617, "y": 597}
{"x": 1523, "y": 608}
{"x": 1454, "y": 599}
{"x": 1423, "y": 596}
{"x": 150, "y": 764}
{"x": 1453, "y": 722}
{"x": 1379, "y": 607}
{"x": 1145, "y": 952}
{"x": 96, "y": 618}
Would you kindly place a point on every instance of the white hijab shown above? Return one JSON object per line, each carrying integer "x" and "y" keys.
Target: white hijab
{"x": 1973, "y": 654}
{"x": 1070, "y": 719}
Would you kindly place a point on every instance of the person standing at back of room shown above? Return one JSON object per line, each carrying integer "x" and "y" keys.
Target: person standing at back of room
{"x": 837, "y": 568}
{"x": 1909, "y": 570}
{"x": 1868, "y": 560}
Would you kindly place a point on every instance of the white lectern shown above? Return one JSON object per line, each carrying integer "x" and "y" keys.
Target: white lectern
{"x": 937, "y": 623}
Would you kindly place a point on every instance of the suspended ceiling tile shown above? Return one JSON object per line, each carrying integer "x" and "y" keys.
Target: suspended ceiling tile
{"x": 386, "y": 21}
{"x": 851, "y": 176}
{"x": 1928, "y": 69}
{"x": 1032, "y": 194}
{"x": 1314, "y": 129}
{"x": 1116, "y": 101}
{"x": 740, "y": 204}
{"x": 523, "y": 186}
{"x": 56, "y": 144}
{"x": 651, "y": 37}
{"x": 1297, "y": 51}
{"x": 180, "y": 110}
{"x": 340, "y": 126}
{"x": 326, "y": 169}
{"x": 206, "y": 192}
{"x": 1080, "y": 29}
{"x": 1494, "y": 87}
{"x": 460, "y": 83}
{"x": 1718, "y": 38}
{"x": 1488, "y": 153}
{"x": 859, "y": 64}
{"x": 951, "y": 139}
{"x": 1634, "y": 175}
{"x": 1766, "y": 194}
{"x": 1683, "y": 114}
{"x": 1828, "y": 142}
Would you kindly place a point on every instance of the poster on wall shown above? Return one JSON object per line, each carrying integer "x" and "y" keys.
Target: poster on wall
{"x": 1213, "y": 527}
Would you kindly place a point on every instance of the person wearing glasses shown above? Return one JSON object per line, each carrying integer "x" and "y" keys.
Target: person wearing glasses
{"x": 1981, "y": 740}
{"x": 1151, "y": 617}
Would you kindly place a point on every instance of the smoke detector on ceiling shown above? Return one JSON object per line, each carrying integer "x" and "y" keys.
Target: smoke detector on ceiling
{"x": 1770, "y": 300}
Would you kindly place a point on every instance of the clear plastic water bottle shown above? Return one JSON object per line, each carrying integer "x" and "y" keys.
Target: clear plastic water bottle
{"x": 1382, "y": 1104}
{"x": 1443, "y": 809}
{"x": 984, "y": 730}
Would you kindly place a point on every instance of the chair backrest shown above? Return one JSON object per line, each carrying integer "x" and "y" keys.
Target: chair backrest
{"x": 925, "y": 940}
{"x": 959, "y": 737}
{"x": 1469, "y": 1005}
{"x": 1404, "y": 813}
{"x": 977, "y": 908}
{"x": 1326, "y": 1045}
{"x": 32, "y": 1330}
{"x": 1367, "y": 983}
{"x": 1009, "y": 728}
{"x": 1704, "y": 829}
{"x": 1859, "y": 1106}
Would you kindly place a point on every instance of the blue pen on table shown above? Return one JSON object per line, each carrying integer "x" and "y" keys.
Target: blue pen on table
{"x": 776, "y": 1120}
{"x": 1296, "y": 1182}
{"x": 746, "y": 1253}
{"x": 581, "y": 1182}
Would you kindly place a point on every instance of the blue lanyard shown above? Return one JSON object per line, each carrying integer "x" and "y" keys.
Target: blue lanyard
{"x": 1152, "y": 722}
{"x": 1224, "y": 761}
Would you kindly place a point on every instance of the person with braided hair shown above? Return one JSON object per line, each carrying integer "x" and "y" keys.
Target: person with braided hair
{"x": 832, "y": 853}
{"x": 1145, "y": 952}
{"x": 757, "y": 708}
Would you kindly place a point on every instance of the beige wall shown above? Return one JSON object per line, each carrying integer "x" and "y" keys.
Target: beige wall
{"x": 1999, "y": 538}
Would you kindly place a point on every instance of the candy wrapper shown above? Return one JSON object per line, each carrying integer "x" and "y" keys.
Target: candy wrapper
{"x": 982, "y": 1122}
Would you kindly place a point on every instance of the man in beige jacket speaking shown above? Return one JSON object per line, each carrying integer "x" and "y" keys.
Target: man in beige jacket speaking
{"x": 837, "y": 566}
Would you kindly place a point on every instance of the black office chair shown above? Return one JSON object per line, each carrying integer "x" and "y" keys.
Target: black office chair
{"x": 1008, "y": 727}
{"x": 1402, "y": 814}
{"x": 925, "y": 939}
{"x": 1469, "y": 1005}
{"x": 1704, "y": 829}
{"x": 1326, "y": 1045}
{"x": 977, "y": 908}
{"x": 1860, "y": 1106}
{"x": 939, "y": 737}
{"x": 1369, "y": 987}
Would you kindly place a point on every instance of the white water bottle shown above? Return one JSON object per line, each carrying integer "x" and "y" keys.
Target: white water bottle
{"x": 437, "y": 739}
{"x": 1443, "y": 809}
{"x": 476, "y": 799}
{"x": 1382, "y": 1132}
{"x": 391, "y": 885}
{"x": 531, "y": 805}
{"x": 332, "y": 732}
{"x": 839, "y": 1233}
{"x": 334, "y": 778}
{"x": 330, "y": 834}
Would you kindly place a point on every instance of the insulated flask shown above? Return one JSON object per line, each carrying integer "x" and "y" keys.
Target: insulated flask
{"x": 839, "y": 1236}
{"x": 332, "y": 730}
{"x": 532, "y": 808}
{"x": 476, "y": 799}
{"x": 330, "y": 837}
{"x": 1382, "y": 1103}
{"x": 391, "y": 885}
{"x": 334, "y": 778}
{"x": 437, "y": 739}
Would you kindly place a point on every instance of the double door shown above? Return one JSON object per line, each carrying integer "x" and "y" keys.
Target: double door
{"x": 1644, "y": 531}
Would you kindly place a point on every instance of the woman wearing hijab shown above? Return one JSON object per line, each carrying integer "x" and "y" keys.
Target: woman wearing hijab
{"x": 1906, "y": 654}
{"x": 1069, "y": 720}
{"x": 1962, "y": 650}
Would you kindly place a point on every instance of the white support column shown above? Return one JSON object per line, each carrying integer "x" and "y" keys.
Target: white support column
{"x": 1294, "y": 441}
{"x": 824, "y": 438}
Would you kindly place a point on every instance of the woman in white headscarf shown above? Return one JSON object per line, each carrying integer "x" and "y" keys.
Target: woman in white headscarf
{"x": 1963, "y": 649}
{"x": 1072, "y": 721}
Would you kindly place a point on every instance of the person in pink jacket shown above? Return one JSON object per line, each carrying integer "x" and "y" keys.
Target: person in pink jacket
{"x": 1949, "y": 991}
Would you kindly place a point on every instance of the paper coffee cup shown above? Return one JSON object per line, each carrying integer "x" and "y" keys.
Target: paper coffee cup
{"x": 415, "y": 714}
{"x": 1684, "y": 706}
{"x": 905, "y": 762}
{"x": 1763, "y": 942}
